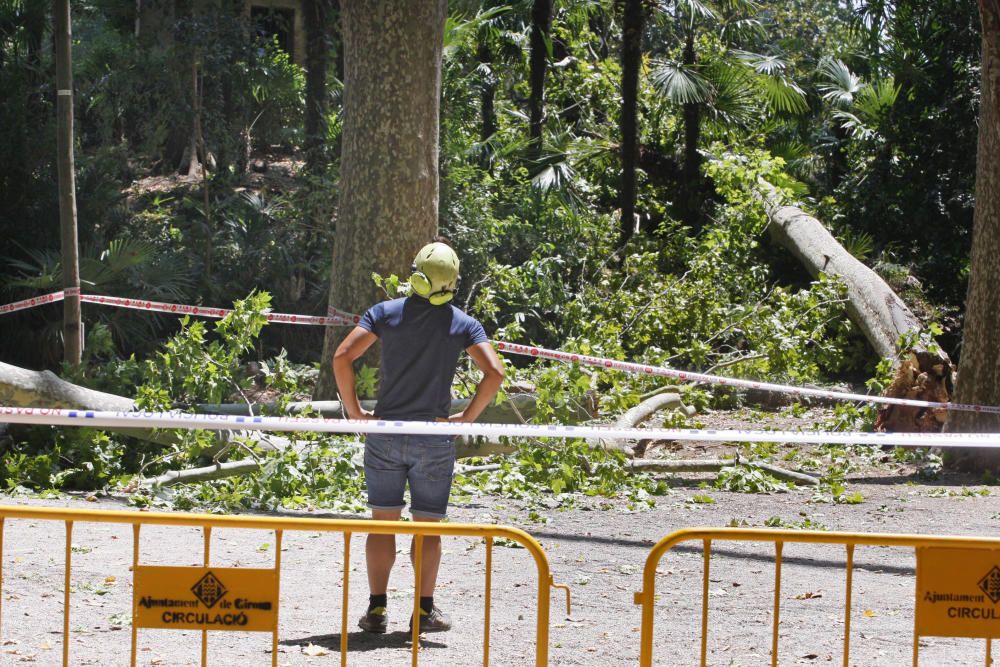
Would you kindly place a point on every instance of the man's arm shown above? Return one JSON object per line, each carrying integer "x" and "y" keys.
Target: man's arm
{"x": 491, "y": 366}
{"x": 352, "y": 347}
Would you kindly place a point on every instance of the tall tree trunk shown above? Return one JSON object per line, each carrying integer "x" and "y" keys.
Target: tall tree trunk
{"x": 316, "y": 14}
{"x": 190, "y": 164}
{"x": 72, "y": 329}
{"x": 541, "y": 26}
{"x": 979, "y": 368}
{"x": 691, "y": 191}
{"x": 389, "y": 162}
{"x": 632, "y": 28}
{"x": 487, "y": 108}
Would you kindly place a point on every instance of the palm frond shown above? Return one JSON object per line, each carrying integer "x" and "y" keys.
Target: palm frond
{"x": 459, "y": 31}
{"x": 841, "y": 85}
{"x": 743, "y": 30}
{"x": 734, "y": 103}
{"x": 873, "y": 101}
{"x": 855, "y": 127}
{"x": 783, "y": 95}
{"x": 762, "y": 64}
{"x": 696, "y": 9}
{"x": 681, "y": 84}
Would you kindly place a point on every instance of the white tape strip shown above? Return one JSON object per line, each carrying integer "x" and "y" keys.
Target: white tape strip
{"x": 31, "y": 303}
{"x": 186, "y": 420}
{"x": 642, "y": 369}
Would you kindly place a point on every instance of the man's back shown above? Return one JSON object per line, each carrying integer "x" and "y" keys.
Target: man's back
{"x": 421, "y": 344}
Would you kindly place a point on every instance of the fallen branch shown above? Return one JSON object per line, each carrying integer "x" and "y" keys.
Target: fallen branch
{"x": 715, "y": 465}
{"x": 216, "y": 471}
{"x": 21, "y": 387}
{"x": 638, "y": 414}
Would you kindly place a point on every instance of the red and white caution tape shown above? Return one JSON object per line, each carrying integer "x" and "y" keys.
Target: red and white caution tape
{"x": 202, "y": 311}
{"x": 31, "y": 303}
{"x": 336, "y": 317}
{"x": 187, "y": 420}
{"x": 685, "y": 376}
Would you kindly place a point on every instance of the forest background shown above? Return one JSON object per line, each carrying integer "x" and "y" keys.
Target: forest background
{"x": 599, "y": 165}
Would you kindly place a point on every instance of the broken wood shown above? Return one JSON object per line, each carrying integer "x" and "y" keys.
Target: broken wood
{"x": 634, "y": 416}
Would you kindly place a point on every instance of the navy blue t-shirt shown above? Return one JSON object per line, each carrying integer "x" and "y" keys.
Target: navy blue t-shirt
{"x": 421, "y": 343}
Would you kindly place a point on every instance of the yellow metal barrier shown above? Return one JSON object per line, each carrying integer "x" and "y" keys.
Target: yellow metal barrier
{"x": 262, "y": 612}
{"x": 962, "y": 572}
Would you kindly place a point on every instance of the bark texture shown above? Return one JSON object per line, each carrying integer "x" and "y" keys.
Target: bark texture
{"x": 389, "y": 160}
{"x": 632, "y": 28}
{"x": 72, "y": 329}
{"x": 872, "y": 305}
{"x": 541, "y": 25}
{"x": 922, "y": 374}
{"x": 318, "y": 45}
{"x": 979, "y": 370}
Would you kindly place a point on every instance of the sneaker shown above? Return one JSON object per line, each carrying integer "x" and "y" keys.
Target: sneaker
{"x": 435, "y": 621}
{"x": 375, "y": 620}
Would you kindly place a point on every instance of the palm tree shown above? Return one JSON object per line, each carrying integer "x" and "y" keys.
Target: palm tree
{"x": 727, "y": 85}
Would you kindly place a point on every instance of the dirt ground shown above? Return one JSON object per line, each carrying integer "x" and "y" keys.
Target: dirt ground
{"x": 598, "y": 548}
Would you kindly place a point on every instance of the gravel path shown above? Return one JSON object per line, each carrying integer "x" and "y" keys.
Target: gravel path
{"x": 599, "y": 553}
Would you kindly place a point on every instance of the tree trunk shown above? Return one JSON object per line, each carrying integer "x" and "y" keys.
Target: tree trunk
{"x": 924, "y": 373}
{"x": 541, "y": 25}
{"x": 691, "y": 194}
{"x": 632, "y": 29}
{"x": 389, "y": 163}
{"x": 872, "y": 305}
{"x": 979, "y": 370}
{"x": 487, "y": 96}
{"x": 72, "y": 326}
{"x": 316, "y": 14}
{"x": 190, "y": 163}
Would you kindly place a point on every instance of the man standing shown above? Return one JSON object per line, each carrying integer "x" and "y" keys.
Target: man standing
{"x": 422, "y": 337}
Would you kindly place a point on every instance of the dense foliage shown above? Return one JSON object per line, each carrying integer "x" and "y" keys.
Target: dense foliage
{"x": 866, "y": 111}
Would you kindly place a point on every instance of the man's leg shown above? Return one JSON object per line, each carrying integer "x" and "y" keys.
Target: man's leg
{"x": 380, "y": 554}
{"x": 431, "y": 559}
{"x": 386, "y": 479}
{"x": 430, "y": 486}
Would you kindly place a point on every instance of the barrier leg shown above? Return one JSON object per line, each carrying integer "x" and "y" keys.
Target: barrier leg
{"x": 488, "y": 600}
{"x": 418, "y": 563}
{"x": 778, "y": 546}
{"x": 1, "y": 579}
{"x": 847, "y": 604}
{"x": 66, "y": 583}
{"x": 204, "y": 633}
{"x": 278, "y": 533}
{"x": 345, "y": 587}
{"x": 989, "y": 652}
{"x": 707, "y": 556}
{"x": 135, "y": 563}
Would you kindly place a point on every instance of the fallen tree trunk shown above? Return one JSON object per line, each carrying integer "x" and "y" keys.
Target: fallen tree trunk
{"x": 20, "y": 387}
{"x": 923, "y": 372}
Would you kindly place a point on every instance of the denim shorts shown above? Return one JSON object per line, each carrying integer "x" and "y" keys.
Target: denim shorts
{"x": 427, "y": 462}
